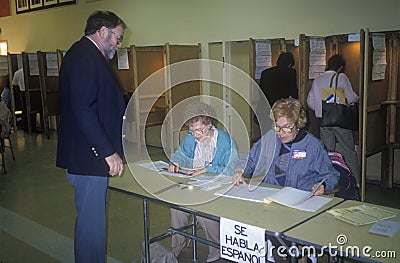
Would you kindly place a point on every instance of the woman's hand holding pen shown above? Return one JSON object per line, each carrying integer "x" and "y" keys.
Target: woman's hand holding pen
{"x": 173, "y": 168}
{"x": 320, "y": 190}
{"x": 196, "y": 172}
{"x": 237, "y": 177}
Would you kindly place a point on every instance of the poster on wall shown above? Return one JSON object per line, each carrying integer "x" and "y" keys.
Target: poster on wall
{"x": 23, "y": 6}
{"x": 5, "y": 8}
{"x": 378, "y": 57}
{"x": 66, "y": 1}
{"x": 263, "y": 56}
{"x": 35, "y": 4}
{"x": 50, "y": 2}
{"x": 317, "y": 57}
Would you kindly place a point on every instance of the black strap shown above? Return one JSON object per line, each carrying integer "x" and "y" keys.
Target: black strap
{"x": 336, "y": 83}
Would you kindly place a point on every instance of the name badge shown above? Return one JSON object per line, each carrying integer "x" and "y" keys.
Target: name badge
{"x": 299, "y": 154}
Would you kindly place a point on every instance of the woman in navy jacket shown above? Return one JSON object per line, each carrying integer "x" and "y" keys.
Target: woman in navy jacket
{"x": 288, "y": 155}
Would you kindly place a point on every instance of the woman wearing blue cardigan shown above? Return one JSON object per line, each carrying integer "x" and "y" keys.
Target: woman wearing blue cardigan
{"x": 205, "y": 149}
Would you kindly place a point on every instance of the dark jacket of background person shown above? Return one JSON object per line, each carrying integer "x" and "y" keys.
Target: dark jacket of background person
{"x": 91, "y": 111}
{"x": 280, "y": 81}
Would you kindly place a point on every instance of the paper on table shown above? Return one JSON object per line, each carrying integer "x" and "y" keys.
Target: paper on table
{"x": 313, "y": 203}
{"x": 362, "y": 214}
{"x": 210, "y": 182}
{"x": 343, "y": 211}
{"x": 222, "y": 179}
{"x": 242, "y": 192}
{"x": 299, "y": 199}
{"x": 385, "y": 228}
{"x": 183, "y": 168}
{"x": 162, "y": 167}
{"x": 260, "y": 194}
{"x": 290, "y": 196}
{"x": 175, "y": 174}
{"x": 155, "y": 166}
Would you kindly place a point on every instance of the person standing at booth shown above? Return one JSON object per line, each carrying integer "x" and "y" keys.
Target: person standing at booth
{"x": 332, "y": 135}
{"x": 90, "y": 133}
{"x": 18, "y": 80}
{"x": 280, "y": 82}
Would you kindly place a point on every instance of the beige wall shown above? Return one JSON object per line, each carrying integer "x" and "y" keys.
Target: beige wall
{"x": 191, "y": 21}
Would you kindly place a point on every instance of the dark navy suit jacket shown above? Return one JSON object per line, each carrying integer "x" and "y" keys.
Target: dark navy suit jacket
{"x": 91, "y": 111}
{"x": 278, "y": 83}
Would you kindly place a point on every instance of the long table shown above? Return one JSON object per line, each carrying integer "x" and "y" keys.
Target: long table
{"x": 274, "y": 218}
{"x": 325, "y": 231}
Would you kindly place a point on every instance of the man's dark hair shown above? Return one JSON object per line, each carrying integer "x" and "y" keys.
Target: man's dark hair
{"x": 285, "y": 59}
{"x": 102, "y": 18}
{"x": 336, "y": 62}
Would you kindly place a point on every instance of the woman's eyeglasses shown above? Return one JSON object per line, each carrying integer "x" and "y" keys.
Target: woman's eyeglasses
{"x": 284, "y": 129}
{"x": 199, "y": 131}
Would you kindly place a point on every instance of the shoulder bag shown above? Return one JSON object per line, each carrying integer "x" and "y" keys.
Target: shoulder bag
{"x": 337, "y": 113}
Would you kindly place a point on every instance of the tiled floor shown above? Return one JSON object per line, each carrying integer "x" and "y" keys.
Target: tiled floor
{"x": 37, "y": 210}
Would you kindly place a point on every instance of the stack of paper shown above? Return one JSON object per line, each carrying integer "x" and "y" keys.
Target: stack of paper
{"x": 385, "y": 228}
{"x": 242, "y": 192}
{"x": 299, "y": 199}
{"x": 155, "y": 166}
{"x": 204, "y": 181}
{"x": 161, "y": 167}
{"x": 287, "y": 196}
{"x": 362, "y": 214}
{"x": 209, "y": 182}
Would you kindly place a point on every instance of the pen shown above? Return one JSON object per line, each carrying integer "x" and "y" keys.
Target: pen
{"x": 177, "y": 166}
{"x": 318, "y": 186}
{"x": 166, "y": 169}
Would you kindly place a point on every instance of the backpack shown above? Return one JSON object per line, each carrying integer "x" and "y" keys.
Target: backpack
{"x": 347, "y": 183}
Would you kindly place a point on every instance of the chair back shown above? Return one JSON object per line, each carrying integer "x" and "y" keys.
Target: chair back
{"x": 348, "y": 189}
{"x": 5, "y": 120}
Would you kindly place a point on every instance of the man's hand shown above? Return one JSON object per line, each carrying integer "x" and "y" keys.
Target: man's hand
{"x": 115, "y": 164}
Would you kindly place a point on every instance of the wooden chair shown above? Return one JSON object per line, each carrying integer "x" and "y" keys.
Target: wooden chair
{"x": 347, "y": 187}
{"x": 3, "y": 146}
{"x": 5, "y": 133}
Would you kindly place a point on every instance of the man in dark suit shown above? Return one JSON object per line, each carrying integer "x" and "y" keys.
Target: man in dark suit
{"x": 279, "y": 82}
{"x": 276, "y": 83}
{"x": 90, "y": 139}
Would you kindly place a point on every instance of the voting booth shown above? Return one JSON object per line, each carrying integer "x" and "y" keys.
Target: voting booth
{"x": 151, "y": 103}
{"x": 32, "y": 88}
{"x": 381, "y": 96}
{"x": 49, "y": 63}
{"x": 251, "y": 56}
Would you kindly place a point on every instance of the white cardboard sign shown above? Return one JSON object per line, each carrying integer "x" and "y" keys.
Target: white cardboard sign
{"x": 241, "y": 242}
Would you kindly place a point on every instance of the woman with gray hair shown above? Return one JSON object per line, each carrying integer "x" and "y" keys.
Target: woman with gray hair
{"x": 205, "y": 149}
{"x": 288, "y": 155}
{"x": 299, "y": 159}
